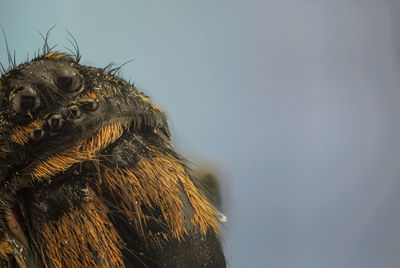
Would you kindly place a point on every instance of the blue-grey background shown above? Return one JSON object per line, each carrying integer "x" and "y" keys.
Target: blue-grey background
{"x": 295, "y": 104}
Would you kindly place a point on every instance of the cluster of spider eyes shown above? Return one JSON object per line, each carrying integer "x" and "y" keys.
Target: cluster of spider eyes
{"x": 26, "y": 100}
{"x": 56, "y": 121}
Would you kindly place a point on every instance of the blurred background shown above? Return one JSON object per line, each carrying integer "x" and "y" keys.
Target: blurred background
{"x": 295, "y": 105}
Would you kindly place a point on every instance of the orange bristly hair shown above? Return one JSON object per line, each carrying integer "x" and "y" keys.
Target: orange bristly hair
{"x": 86, "y": 150}
{"x": 20, "y": 134}
{"x": 82, "y": 237}
{"x": 157, "y": 182}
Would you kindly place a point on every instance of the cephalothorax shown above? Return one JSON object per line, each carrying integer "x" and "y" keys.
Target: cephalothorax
{"x": 89, "y": 178}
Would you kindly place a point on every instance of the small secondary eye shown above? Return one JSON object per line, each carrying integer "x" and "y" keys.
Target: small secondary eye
{"x": 25, "y": 99}
{"x": 56, "y": 122}
{"x": 90, "y": 105}
{"x": 37, "y": 133}
{"x": 74, "y": 112}
{"x": 67, "y": 79}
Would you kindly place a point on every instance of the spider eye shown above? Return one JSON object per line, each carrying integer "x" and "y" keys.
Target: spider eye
{"x": 90, "y": 105}
{"x": 25, "y": 99}
{"x": 56, "y": 122}
{"x": 74, "y": 112}
{"x": 67, "y": 79}
{"x": 37, "y": 133}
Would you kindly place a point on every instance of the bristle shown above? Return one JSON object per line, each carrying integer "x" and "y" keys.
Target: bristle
{"x": 57, "y": 56}
{"x": 4, "y": 246}
{"x": 20, "y": 134}
{"x": 76, "y": 53}
{"x": 86, "y": 150}
{"x": 149, "y": 182}
{"x": 83, "y": 237}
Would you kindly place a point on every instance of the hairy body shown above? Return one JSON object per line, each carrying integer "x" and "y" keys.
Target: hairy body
{"x": 89, "y": 177}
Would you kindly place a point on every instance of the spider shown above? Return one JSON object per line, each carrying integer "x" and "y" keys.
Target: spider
{"x": 89, "y": 176}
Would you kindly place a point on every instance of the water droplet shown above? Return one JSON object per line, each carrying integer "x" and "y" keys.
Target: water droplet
{"x": 222, "y": 217}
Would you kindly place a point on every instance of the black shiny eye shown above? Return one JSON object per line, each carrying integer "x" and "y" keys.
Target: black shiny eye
{"x": 25, "y": 99}
{"x": 90, "y": 105}
{"x": 67, "y": 79}
{"x": 74, "y": 112}
{"x": 56, "y": 122}
{"x": 37, "y": 133}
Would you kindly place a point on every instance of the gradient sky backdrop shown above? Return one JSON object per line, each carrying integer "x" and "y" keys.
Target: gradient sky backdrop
{"x": 294, "y": 103}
